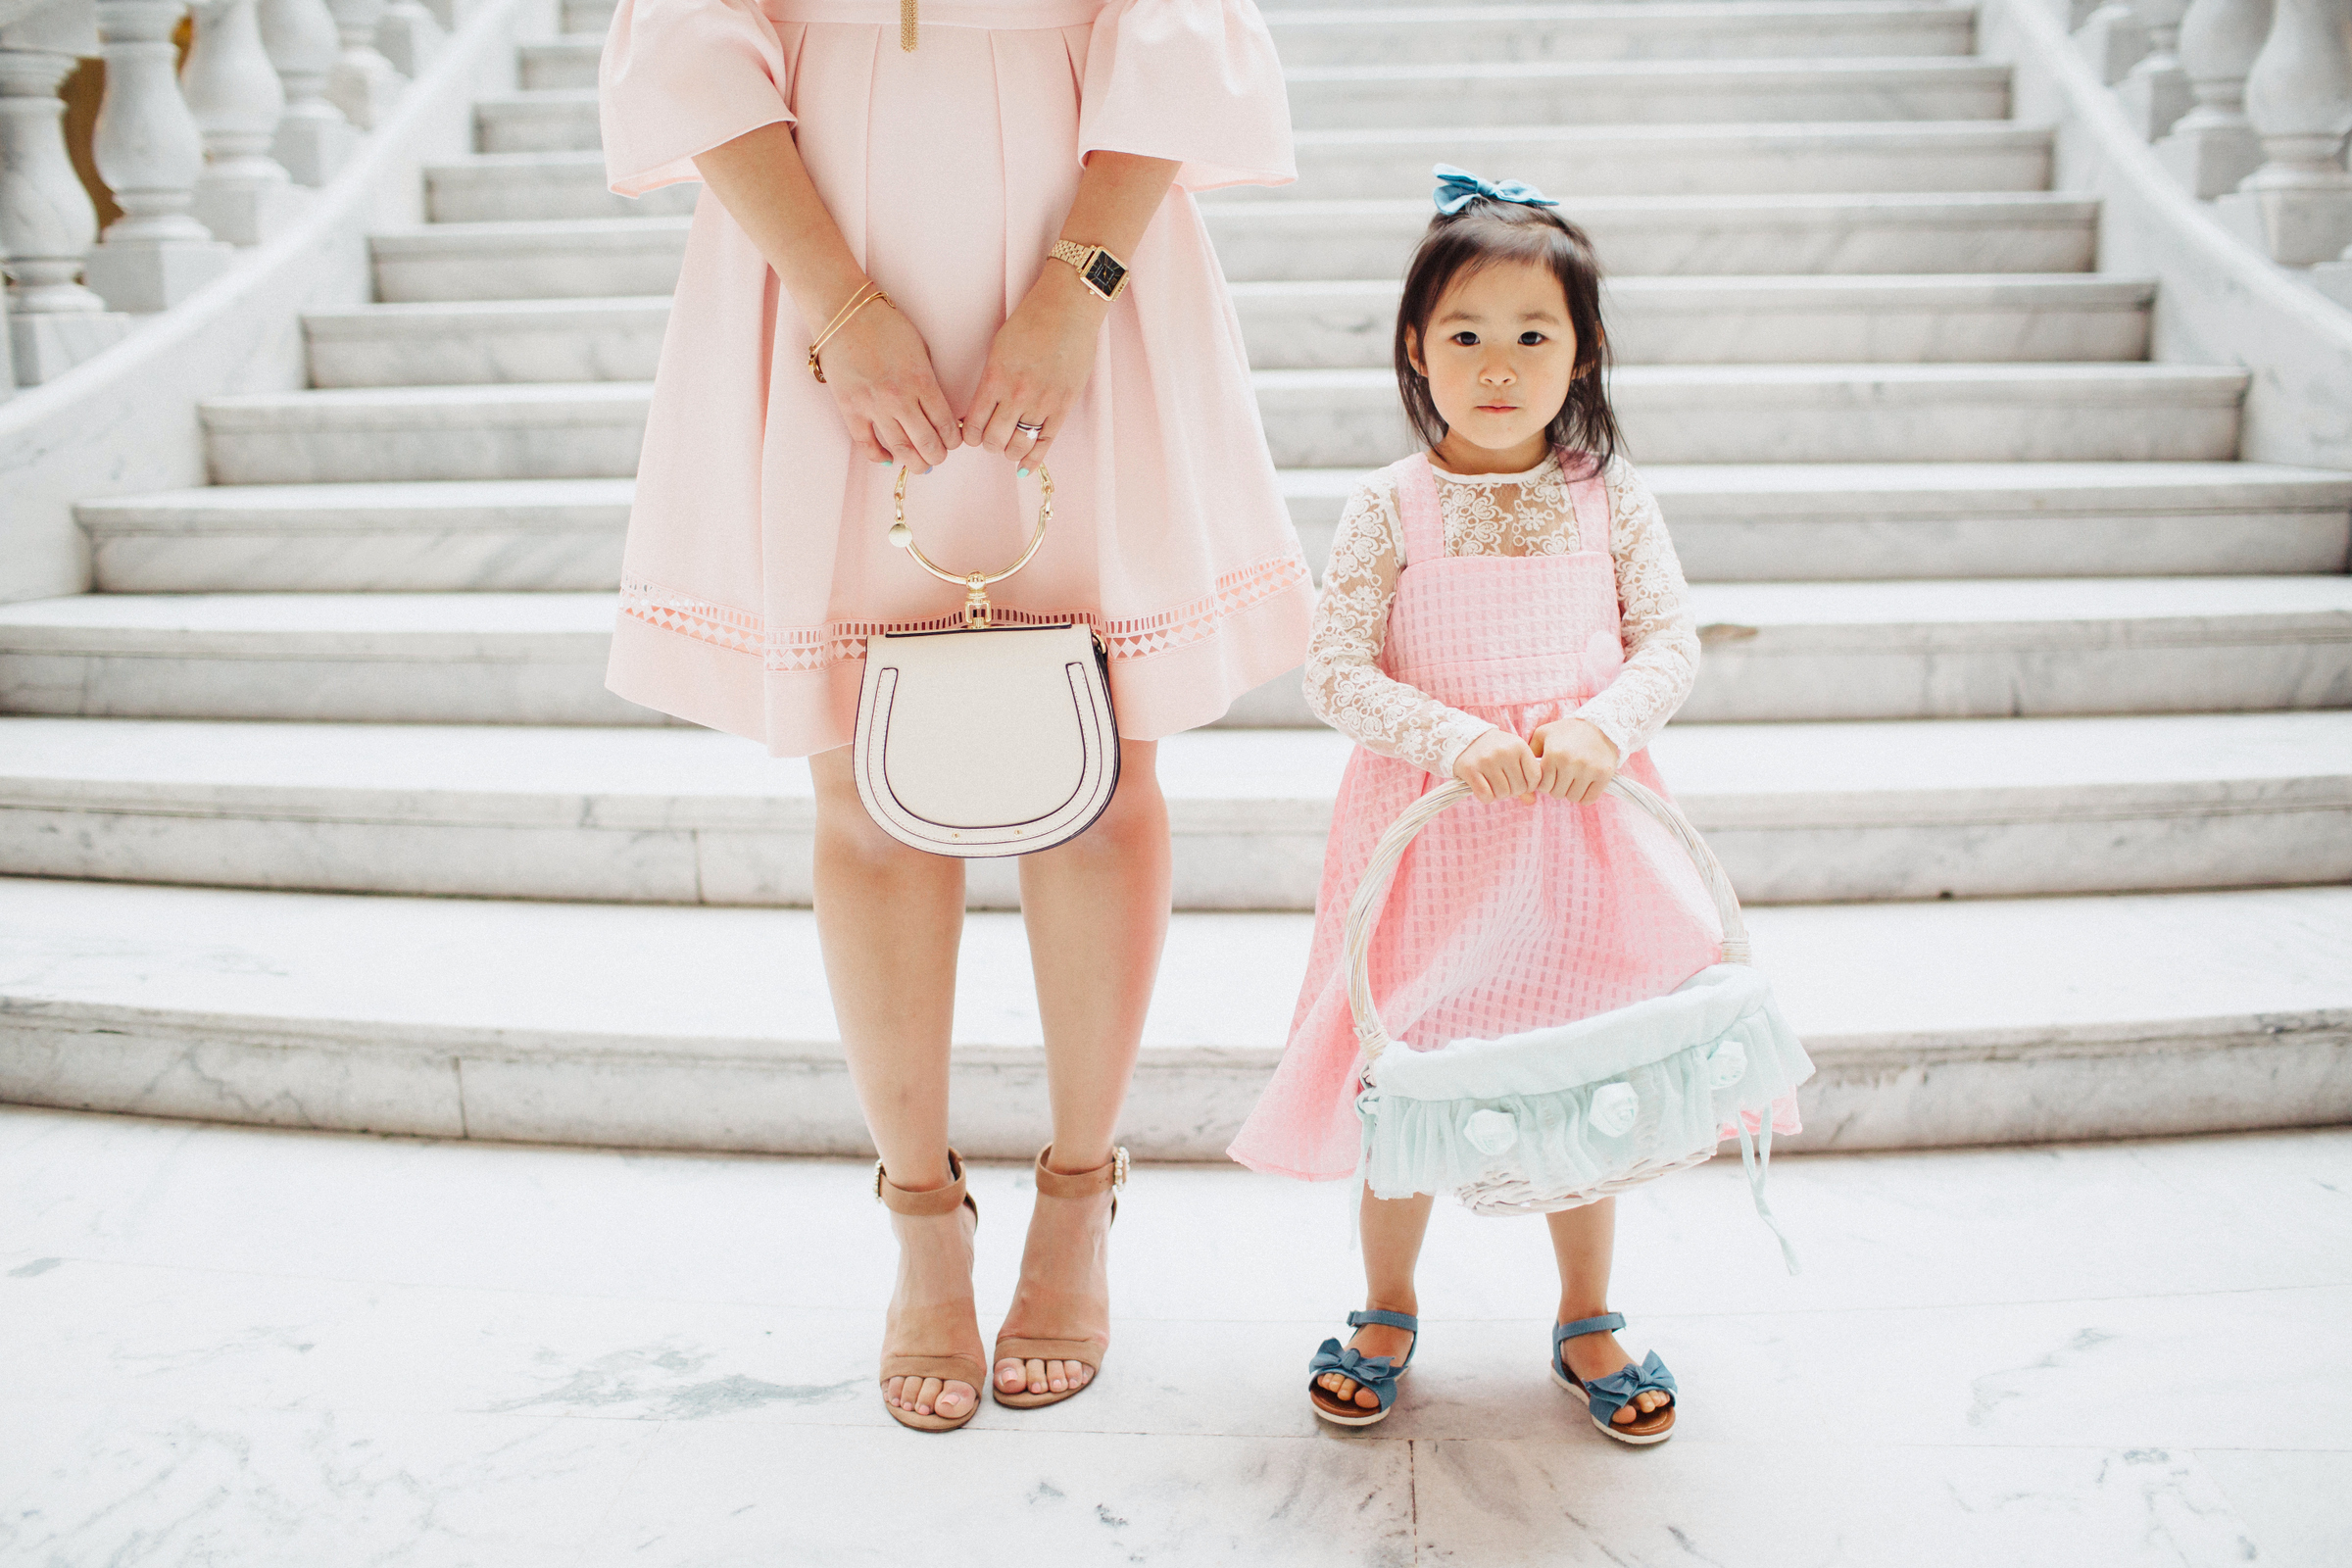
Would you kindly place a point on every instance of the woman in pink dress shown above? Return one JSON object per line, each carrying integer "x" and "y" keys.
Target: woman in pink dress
{"x": 954, "y": 157}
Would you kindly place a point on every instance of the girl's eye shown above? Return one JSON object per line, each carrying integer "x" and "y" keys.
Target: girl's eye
{"x": 1468, "y": 340}
{"x": 1530, "y": 338}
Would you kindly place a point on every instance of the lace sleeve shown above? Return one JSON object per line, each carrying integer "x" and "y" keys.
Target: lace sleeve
{"x": 1344, "y": 687}
{"x": 1661, "y": 636}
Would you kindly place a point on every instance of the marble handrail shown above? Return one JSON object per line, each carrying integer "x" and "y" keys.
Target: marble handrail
{"x": 2249, "y": 103}
{"x": 2219, "y": 300}
{"x": 201, "y": 157}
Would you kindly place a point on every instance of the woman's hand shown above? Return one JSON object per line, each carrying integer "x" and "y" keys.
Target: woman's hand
{"x": 878, "y": 369}
{"x": 1577, "y": 759}
{"x": 1497, "y": 765}
{"x": 1037, "y": 365}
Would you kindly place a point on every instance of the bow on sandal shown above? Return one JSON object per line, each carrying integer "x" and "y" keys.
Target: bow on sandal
{"x": 1606, "y": 1397}
{"x": 1374, "y": 1372}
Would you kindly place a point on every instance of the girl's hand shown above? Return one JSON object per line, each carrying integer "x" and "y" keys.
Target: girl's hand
{"x": 1037, "y": 367}
{"x": 878, "y": 369}
{"x": 1577, "y": 759}
{"x": 1497, "y": 765}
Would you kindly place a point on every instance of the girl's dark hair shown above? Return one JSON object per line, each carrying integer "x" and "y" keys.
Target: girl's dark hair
{"x": 1482, "y": 234}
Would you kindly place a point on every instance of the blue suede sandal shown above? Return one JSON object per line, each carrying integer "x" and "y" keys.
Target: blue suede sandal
{"x": 1605, "y": 1397}
{"x": 1372, "y": 1372}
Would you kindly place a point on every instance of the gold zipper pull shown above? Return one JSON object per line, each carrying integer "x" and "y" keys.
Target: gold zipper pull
{"x": 907, "y": 24}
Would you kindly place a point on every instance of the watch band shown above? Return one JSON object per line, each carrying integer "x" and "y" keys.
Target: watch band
{"x": 1100, "y": 270}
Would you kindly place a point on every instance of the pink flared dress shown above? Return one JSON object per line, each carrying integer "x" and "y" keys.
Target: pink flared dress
{"x": 756, "y": 561}
{"x": 1501, "y": 918}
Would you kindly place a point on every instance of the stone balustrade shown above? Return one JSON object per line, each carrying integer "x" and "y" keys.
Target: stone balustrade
{"x": 201, "y": 156}
{"x": 2249, "y": 105}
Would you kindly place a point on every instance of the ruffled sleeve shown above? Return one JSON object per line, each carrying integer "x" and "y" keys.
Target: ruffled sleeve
{"x": 1195, "y": 80}
{"x": 680, "y": 78}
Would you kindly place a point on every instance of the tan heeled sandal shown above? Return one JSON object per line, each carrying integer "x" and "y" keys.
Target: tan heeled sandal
{"x": 1108, "y": 1177}
{"x": 946, "y": 1368}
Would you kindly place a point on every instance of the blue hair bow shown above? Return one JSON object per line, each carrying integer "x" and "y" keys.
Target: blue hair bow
{"x": 1458, "y": 188}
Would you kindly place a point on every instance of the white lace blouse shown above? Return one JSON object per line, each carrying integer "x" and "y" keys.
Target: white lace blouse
{"x": 1496, "y": 515}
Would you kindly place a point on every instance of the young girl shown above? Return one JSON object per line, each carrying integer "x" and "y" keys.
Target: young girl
{"x": 1505, "y": 610}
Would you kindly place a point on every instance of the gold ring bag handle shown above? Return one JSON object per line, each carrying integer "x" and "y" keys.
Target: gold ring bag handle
{"x": 977, "y": 616}
{"x": 1372, "y": 891}
{"x": 979, "y": 738}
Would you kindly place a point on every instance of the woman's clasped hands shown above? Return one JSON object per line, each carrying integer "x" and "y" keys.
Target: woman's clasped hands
{"x": 1569, "y": 758}
{"x": 879, "y": 371}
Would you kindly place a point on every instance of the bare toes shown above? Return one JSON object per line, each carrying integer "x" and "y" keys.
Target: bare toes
{"x": 1037, "y": 1377}
{"x": 1626, "y": 1415}
{"x": 1367, "y": 1398}
{"x": 928, "y": 1398}
{"x": 953, "y": 1398}
{"x": 1010, "y": 1376}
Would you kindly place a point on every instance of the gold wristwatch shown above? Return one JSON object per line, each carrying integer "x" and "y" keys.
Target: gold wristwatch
{"x": 1098, "y": 269}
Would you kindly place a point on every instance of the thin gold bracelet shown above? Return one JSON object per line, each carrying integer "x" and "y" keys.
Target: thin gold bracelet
{"x": 858, "y": 302}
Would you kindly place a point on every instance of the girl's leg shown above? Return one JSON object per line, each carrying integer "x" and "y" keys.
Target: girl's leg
{"x": 1582, "y": 1240}
{"x": 1392, "y": 1228}
{"x": 889, "y": 919}
{"x": 1096, "y": 912}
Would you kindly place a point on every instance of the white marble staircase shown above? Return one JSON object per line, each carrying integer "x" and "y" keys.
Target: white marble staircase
{"x": 2025, "y": 722}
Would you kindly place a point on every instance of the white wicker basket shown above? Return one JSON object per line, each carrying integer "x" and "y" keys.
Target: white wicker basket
{"x": 1564, "y": 1115}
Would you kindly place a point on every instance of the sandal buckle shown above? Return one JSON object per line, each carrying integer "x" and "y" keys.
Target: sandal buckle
{"x": 877, "y": 1181}
{"x": 1118, "y": 1167}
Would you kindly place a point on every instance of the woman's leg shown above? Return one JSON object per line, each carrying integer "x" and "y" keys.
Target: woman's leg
{"x": 890, "y": 918}
{"x": 1392, "y": 1229}
{"x": 1582, "y": 1240}
{"x": 1097, "y": 911}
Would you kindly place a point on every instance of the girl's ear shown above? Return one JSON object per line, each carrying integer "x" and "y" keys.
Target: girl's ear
{"x": 1412, "y": 352}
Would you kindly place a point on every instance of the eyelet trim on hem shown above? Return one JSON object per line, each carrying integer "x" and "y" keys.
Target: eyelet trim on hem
{"x": 804, "y": 649}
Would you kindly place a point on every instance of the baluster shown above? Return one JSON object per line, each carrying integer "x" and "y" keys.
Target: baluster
{"x": 313, "y": 137}
{"x": 243, "y": 195}
{"x": 2156, "y": 91}
{"x": 46, "y": 219}
{"x": 2111, "y": 39}
{"x": 2298, "y": 205}
{"x": 409, "y": 36}
{"x": 2213, "y": 147}
{"x": 149, "y": 152}
{"x": 363, "y": 83}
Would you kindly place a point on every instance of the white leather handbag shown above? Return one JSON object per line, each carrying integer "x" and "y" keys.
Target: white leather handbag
{"x": 983, "y": 739}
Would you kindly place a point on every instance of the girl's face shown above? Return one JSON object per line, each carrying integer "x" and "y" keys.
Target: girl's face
{"x": 1500, "y": 351}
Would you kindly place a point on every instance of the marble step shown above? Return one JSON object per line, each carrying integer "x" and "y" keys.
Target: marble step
{"x": 1821, "y": 413}
{"x": 1757, "y": 321}
{"x": 544, "y": 65}
{"x": 1798, "y": 813}
{"x": 1310, "y": 241}
{"x": 1952, "y": 1022}
{"x": 475, "y": 342}
{"x": 537, "y": 120}
{"x": 1880, "y": 234}
{"x": 1992, "y": 318}
{"x": 1568, "y": 160}
{"x": 1644, "y": 92}
{"x": 1651, "y": 30}
{"x": 1755, "y": 523}
{"x": 1775, "y": 651}
{"x": 1574, "y": 161}
{"x": 1323, "y": 418}
{"x": 1658, "y": 30}
{"x": 516, "y": 535}
{"x": 548, "y": 117}
{"x": 536, "y": 259}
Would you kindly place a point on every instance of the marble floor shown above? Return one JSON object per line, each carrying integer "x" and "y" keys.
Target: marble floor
{"x": 224, "y": 1345}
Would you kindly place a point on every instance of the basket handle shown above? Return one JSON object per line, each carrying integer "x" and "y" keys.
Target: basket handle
{"x": 1372, "y": 891}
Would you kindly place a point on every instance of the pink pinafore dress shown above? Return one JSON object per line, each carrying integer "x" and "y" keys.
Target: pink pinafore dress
{"x": 1502, "y": 917}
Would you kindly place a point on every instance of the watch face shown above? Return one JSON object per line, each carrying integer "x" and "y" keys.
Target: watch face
{"x": 1104, "y": 272}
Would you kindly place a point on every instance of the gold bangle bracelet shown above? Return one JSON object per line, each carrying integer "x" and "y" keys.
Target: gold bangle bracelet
{"x": 866, "y": 295}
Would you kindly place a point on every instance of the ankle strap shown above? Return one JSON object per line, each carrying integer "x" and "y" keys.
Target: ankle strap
{"x": 1108, "y": 1177}
{"x": 1387, "y": 1319}
{"x": 1606, "y": 1323}
{"x": 930, "y": 1201}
